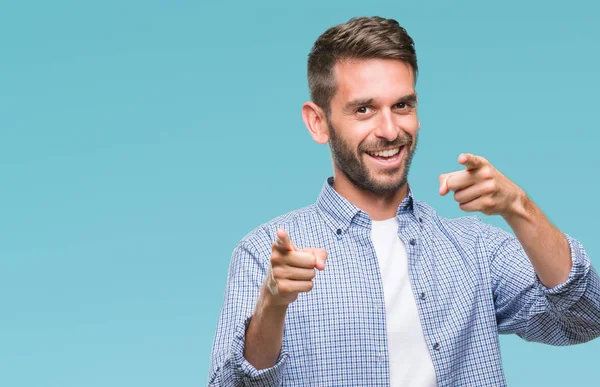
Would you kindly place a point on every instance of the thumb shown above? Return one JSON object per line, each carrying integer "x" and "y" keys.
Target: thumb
{"x": 443, "y": 179}
{"x": 321, "y": 257}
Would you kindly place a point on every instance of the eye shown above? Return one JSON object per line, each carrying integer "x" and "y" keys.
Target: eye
{"x": 362, "y": 110}
{"x": 402, "y": 105}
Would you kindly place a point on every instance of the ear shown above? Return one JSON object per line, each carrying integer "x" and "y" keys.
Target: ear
{"x": 314, "y": 119}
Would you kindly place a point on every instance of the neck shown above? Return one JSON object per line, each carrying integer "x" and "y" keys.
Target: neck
{"x": 377, "y": 206}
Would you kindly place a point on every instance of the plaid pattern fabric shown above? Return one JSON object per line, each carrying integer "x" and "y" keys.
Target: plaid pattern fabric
{"x": 470, "y": 280}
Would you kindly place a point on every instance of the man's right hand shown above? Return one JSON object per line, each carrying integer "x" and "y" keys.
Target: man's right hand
{"x": 291, "y": 271}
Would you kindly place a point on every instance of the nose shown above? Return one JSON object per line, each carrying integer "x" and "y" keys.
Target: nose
{"x": 385, "y": 127}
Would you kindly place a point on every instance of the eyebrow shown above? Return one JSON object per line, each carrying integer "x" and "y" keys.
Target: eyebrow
{"x": 350, "y": 106}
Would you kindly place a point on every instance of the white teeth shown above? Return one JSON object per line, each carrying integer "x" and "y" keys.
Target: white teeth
{"x": 385, "y": 153}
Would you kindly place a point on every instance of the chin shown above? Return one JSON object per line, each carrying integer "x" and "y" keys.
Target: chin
{"x": 387, "y": 186}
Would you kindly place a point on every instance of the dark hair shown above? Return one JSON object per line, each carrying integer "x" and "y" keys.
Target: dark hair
{"x": 359, "y": 38}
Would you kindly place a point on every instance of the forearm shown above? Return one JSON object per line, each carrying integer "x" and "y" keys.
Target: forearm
{"x": 265, "y": 333}
{"x": 546, "y": 246}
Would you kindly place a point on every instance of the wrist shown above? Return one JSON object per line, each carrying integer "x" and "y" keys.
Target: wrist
{"x": 268, "y": 311}
{"x": 264, "y": 334}
{"x": 269, "y": 302}
{"x": 519, "y": 208}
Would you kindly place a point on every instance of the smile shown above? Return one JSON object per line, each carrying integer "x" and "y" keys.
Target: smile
{"x": 388, "y": 158}
{"x": 386, "y": 153}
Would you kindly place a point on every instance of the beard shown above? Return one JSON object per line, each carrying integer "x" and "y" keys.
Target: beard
{"x": 354, "y": 168}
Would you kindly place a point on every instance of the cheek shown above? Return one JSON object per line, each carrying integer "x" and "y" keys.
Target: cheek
{"x": 408, "y": 123}
{"x": 358, "y": 134}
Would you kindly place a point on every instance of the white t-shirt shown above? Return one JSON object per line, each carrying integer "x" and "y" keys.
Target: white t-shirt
{"x": 410, "y": 361}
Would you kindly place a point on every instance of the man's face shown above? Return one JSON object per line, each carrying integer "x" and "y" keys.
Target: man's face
{"x": 374, "y": 110}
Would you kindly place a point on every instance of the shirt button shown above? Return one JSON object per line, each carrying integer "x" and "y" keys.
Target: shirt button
{"x": 413, "y": 242}
{"x": 436, "y": 346}
{"x": 339, "y": 231}
{"x": 423, "y": 296}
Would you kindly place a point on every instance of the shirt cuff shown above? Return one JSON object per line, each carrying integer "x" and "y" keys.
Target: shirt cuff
{"x": 564, "y": 295}
{"x": 272, "y": 376}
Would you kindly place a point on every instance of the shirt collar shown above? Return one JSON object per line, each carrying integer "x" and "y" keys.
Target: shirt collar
{"x": 339, "y": 213}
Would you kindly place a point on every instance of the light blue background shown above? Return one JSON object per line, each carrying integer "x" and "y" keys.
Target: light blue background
{"x": 140, "y": 140}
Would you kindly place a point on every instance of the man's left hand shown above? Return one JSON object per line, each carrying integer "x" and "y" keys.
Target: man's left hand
{"x": 481, "y": 187}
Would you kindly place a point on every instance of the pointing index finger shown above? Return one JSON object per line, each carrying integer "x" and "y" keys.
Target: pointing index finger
{"x": 283, "y": 241}
{"x": 471, "y": 161}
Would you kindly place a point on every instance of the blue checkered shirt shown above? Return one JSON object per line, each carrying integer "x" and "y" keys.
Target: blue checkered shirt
{"x": 470, "y": 280}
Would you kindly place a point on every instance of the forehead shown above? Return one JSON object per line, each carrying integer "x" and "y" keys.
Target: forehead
{"x": 373, "y": 78}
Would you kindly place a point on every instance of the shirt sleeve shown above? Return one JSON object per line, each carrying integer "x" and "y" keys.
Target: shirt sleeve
{"x": 568, "y": 313}
{"x": 228, "y": 365}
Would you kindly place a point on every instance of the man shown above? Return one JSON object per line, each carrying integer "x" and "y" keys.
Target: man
{"x": 369, "y": 286}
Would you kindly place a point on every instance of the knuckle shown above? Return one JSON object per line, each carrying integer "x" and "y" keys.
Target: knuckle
{"x": 278, "y": 272}
{"x": 486, "y": 172}
{"x": 284, "y": 287}
{"x": 274, "y": 249}
{"x": 275, "y": 258}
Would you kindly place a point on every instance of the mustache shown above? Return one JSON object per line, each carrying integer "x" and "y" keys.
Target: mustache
{"x": 405, "y": 139}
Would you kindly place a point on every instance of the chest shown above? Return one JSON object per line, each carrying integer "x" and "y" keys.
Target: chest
{"x": 342, "y": 320}
{"x": 449, "y": 282}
